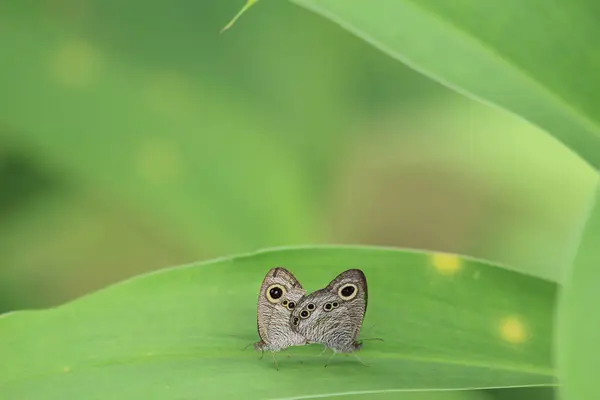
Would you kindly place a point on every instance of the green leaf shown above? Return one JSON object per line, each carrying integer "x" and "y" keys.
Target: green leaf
{"x": 538, "y": 59}
{"x": 579, "y": 326}
{"x": 447, "y": 322}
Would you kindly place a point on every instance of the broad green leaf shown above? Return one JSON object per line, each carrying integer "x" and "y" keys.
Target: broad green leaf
{"x": 579, "y": 325}
{"x": 447, "y": 323}
{"x": 536, "y": 58}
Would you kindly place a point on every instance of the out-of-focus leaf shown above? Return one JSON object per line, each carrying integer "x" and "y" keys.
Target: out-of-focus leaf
{"x": 579, "y": 325}
{"x": 537, "y": 59}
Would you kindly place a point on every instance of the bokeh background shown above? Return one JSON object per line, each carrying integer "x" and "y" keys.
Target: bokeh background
{"x": 134, "y": 136}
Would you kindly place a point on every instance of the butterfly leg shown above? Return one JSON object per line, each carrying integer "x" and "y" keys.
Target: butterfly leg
{"x": 262, "y": 354}
{"x": 275, "y": 361}
{"x": 361, "y": 361}
{"x": 324, "y": 350}
{"x": 291, "y": 356}
{"x": 328, "y": 361}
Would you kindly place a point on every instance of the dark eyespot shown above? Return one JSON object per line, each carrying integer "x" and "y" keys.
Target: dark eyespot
{"x": 284, "y": 303}
{"x": 310, "y": 306}
{"x": 296, "y": 320}
{"x": 274, "y": 292}
{"x": 304, "y": 314}
{"x": 327, "y": 307}
{"x": 291, "y": 305}
{"x": 335, "y": 304}
{"x": 348, "y": 291}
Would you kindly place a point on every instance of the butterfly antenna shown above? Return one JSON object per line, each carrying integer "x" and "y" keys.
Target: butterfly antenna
{"x": 370, "y": 330}
{"x": 248, "y": 345}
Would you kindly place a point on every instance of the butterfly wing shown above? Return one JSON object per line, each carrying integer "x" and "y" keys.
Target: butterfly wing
{"x": 333, "y": 316}
{"x": 279, "y": 293}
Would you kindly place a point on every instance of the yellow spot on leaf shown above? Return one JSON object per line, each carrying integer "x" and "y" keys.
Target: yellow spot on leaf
{"x": 66, "y": 369}
{"x": 249, "y": 3}
{"x": 512, "y": 329}
{"x": 76, "y": 63}
{"x": 158, "y": 162}
{"x": 446, "y": 264}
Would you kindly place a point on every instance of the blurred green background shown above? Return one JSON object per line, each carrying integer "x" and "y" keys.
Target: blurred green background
{"x": 133, "y": 136}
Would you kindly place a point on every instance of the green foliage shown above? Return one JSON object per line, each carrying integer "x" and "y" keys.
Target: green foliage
{"x": 176, "y": 333}
{"x": 221, "y": 144}
{"x": 447, "y": 322}
{"x": 541, "y": 68}
{"x": 579, "y": 327}
{"x": 523, "y": 56}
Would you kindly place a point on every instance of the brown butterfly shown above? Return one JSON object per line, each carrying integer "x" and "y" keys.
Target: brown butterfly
{"x": 333, "y": 316}
{"x": 279, "y": 294}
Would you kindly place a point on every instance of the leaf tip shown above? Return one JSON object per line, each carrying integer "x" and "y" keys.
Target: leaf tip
{"x": 249, "y": 3}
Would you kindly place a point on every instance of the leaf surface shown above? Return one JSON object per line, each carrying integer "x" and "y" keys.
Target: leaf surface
{"x": 447, "y": 323}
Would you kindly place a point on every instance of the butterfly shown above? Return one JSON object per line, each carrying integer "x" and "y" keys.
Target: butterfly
{"x": 279, "y": 293}
{"x": 333, "y": 316}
